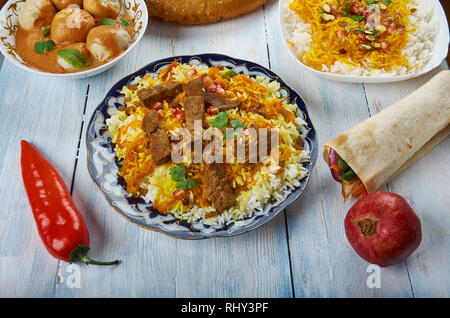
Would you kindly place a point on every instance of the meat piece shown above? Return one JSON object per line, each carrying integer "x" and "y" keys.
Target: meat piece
{"x": 220, "y": 102}
{"x": 195, "y": 88}
{"x": 287, "y": 114}
{"x": 217, "y": 186}
{"x": 194, "y": 107}
{"x": 150, "y": 122}
{"x": 259, "y": 109}
{"x": 160, "y": 146}
{"x": 150, "y": 95}
{"x": 299, "y": 143}
{"x": 175, "y": 102}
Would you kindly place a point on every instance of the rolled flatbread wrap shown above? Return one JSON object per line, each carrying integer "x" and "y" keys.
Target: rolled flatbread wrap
{"x": 385, "y": 144}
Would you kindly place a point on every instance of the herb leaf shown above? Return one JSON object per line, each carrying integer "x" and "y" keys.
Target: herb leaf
{"x": 46, "y": 46}
{"x": 236, "y": 123}
{"x": 74, "y": 58}
{"x": 191, "y": 183}
{"x": 107, "y": 22}
{"x": 177, "y": 173}
{"x": 229, "y": 73}
{"x": 348, "y": 175}
{"x": 358, "y": 18}
{"x": 124, "y": 22}
{"x": 220, "y": 121}
{"x": 45, "y": 31}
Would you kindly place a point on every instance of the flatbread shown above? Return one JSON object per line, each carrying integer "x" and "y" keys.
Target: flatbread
{"x": 380, "y": 147}
{"x": 190, "y": 12}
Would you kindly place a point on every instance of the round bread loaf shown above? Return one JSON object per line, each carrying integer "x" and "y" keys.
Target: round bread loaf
{"x": 191, "y": 12}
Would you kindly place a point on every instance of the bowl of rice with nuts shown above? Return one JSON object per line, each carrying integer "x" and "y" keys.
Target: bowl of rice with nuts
{"x": 370, "y": 41}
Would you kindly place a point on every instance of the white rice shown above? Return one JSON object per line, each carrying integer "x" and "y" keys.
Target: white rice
{"x": 418, "y": 50}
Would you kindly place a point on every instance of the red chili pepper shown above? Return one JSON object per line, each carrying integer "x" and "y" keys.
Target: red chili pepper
{"x": 60, "y": 224}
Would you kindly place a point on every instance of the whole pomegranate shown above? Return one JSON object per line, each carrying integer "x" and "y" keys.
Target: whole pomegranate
{"x": 382, "y": 228}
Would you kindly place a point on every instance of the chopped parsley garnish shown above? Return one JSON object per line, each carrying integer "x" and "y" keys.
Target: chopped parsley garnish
{"x": 238, "y": 126}
{"x": 236, "y": 123}
{"x": 45, "y": 31}
{"x": 178, "y": 174}
{"x": 74, "y": 58}
{"x": 358, "y": 18}
{"x": 229, "y": 73}
{"x": 124, "y": 22}
{"x": 107, "y": 22}
{"x": 220, "y": 121}
{"x": 46, "y": 46}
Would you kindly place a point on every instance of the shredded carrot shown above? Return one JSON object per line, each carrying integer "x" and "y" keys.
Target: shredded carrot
{"x": 359, "y": 189}
{"x": 339, "y": 39}
{"x": 335, "y": 167}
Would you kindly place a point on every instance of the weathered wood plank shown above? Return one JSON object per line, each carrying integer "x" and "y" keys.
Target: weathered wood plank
{"x": 48, "y": 113}
{"x": 323, "y": 263}
{"x": 425, "y": 186}
{"x": 251, "y": 265}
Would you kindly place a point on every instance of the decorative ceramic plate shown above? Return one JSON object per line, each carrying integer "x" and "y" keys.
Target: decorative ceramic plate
{"x": 9, "y": 24}
{"x": 440, "y": 51}
{"x": 104, "y": 171}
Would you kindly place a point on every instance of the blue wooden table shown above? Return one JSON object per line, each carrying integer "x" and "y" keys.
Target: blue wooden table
{"x": 301, "y": 253}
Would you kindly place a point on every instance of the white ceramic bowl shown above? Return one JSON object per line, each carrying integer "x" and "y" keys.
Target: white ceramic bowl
{"x": 9, "y": 24}
{"x": 439, "y": 54}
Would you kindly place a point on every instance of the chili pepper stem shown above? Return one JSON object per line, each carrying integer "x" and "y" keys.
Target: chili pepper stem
{"x": 79, "y": 255}
{"x": 88, "y": 261}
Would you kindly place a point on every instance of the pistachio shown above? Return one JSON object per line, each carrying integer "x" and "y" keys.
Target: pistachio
{"x": 365, "y": 47}
{"x": 380, "y": 28}
{"x": 376, "y": 45}
{"x": 383, "y": 6}
{"x": 327, "y": 8}
{"x": 328, "y": 17}
{"x": 370, "y": 37}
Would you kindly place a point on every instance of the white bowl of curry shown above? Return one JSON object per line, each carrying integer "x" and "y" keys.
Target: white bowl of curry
{"x": 27, "y": 41}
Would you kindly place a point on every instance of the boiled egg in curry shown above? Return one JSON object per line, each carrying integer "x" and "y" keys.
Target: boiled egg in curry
{"x": 107, "y": 41}
{"x": 103, "y": 8}
{"x": 67, "y": 36}
{"x": 62, "y": 4}
{"x": 36, "y": 13}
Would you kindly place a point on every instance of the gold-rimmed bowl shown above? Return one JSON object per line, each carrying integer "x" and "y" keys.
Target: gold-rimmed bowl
{"x": 9, "y": 24}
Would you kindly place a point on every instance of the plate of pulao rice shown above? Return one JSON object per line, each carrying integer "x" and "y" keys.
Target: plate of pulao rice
{"x": 365, "y": 41}
{"x": 134, "y": 155}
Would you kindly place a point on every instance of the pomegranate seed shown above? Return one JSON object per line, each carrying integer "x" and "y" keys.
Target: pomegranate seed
{"x": 401, "y": 31}
{"x": 207, "y": 80}
{"x": 384, "y": 45}
{"x": 362, "y": 37}
{"x": 212, "y": 110}
{"x": 192, "y": 72}
{"x": 160, "y": 114}
{"x": 339, "y": 33}
{"x": 178, "y": 194}
{"x": 220, "y": 91}
{"x": 157, "y": 106}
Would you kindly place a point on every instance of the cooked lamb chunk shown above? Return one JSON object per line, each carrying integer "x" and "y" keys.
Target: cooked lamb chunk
{"x": 175, "y": 102}
{"x": 150, "y": 122}
{"x": 155, "y": 93}
{"x": 220, "y": 102}
{"x": 160, "y": 146}
{"x": 195, "y": 88}
{"x": 217, "y": 186}
{"x": 194, "y": 107}
{"x": 259, "y": 109}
